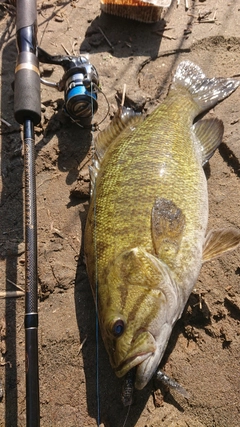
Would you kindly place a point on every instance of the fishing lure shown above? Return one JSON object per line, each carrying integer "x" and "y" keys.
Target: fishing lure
{"x": 165, "y": 379}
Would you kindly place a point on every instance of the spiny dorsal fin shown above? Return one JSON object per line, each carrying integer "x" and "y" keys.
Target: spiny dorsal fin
{"x": 220, "y": 241}
{"x": 125, "y": 118}
{"x": 209, "y": 132}
{"x": 168, "y": 222}
{"x": 124, "y": 122}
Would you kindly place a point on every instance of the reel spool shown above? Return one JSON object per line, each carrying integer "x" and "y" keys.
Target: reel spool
{"x": 80, "y": 91}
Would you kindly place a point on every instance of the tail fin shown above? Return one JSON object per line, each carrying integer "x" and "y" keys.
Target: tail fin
{"x": 205, "y": 92}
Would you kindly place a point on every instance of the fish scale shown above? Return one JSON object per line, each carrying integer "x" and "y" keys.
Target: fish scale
{"x": 134, "y": 164}
{"x": 145, "y": 236}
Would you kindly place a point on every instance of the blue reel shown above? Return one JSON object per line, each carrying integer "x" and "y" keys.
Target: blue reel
{"x": 80, "y": 97}
{"x": 80, "y": 83}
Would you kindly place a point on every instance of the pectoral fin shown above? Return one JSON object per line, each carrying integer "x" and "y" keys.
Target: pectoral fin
{"x": 220, "y": 241}
{"x": 209, "y": 132}
{"x": 168, "y": 223}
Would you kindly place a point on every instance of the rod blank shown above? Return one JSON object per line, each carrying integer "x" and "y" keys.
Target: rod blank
{"x": 27, "y": 110}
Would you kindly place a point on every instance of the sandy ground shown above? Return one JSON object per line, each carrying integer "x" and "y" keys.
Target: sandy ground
{"x": 203, "y": 353}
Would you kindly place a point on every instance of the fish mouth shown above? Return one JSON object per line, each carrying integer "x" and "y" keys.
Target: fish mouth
{"x": 144, "y": 347}
{"x": 131, "y": 363}
{"x": 145, "y": 364}
{"x": 145, "y": 356}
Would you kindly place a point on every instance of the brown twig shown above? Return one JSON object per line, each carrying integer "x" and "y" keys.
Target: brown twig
{"x": 107, "y": 40}
{"x": 11, "y": 294}
{"x": 123, "y": 94}
{"x": 14, "y": 284}
{"x": 5, "y": 122}
{"x": 67, "y": 51}
{"x": 82, "y": 344}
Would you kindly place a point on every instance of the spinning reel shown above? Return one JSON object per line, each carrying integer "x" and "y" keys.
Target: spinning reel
{"x": 80, "y": 84}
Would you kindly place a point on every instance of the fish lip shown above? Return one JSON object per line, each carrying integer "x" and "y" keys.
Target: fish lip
{"x": 148, "y": 367}
{"x": 141, "y": 353}
{"x": 131, "y": 363}
{"x": 145, "y": 360}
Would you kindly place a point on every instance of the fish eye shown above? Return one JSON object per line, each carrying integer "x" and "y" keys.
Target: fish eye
{"x": 118, "y": 328}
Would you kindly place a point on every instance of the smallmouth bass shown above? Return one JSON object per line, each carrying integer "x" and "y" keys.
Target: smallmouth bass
{"x": 145, "y": 236}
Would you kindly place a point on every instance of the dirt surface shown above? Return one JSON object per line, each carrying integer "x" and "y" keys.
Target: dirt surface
{"x": 203, "y": 353}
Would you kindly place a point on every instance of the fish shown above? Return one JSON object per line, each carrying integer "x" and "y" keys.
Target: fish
{"x": 146, "y": 229}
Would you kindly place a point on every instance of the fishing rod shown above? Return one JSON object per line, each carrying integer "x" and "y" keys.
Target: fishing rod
{"x": 80, "y": 84}
{"x": 27, "y": 110}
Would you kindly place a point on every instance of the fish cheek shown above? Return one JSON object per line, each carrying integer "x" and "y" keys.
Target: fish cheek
{"x": 117, "y": 342}
{"x": 135, "y": 282}
{"x": 110, "y": 345}
{"x": 108, "y": 336}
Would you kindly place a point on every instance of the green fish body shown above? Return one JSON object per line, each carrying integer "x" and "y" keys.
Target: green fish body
{"x": 147, "y": 220}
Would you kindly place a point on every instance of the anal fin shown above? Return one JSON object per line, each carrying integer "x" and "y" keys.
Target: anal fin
{"x": 209, "y": 133}
{"x": 219, "y": 242}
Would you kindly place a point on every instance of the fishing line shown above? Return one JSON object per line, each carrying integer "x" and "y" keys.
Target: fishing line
{"x": 108, "y": 105}
{"x": 96, "y": 286}
{"x": 126, "y": 418}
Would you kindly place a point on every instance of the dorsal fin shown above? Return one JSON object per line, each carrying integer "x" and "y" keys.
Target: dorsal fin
{"x": 209, "y": 133}
{"x": 125, "y": 118}
{"x": 124, "y": 122}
